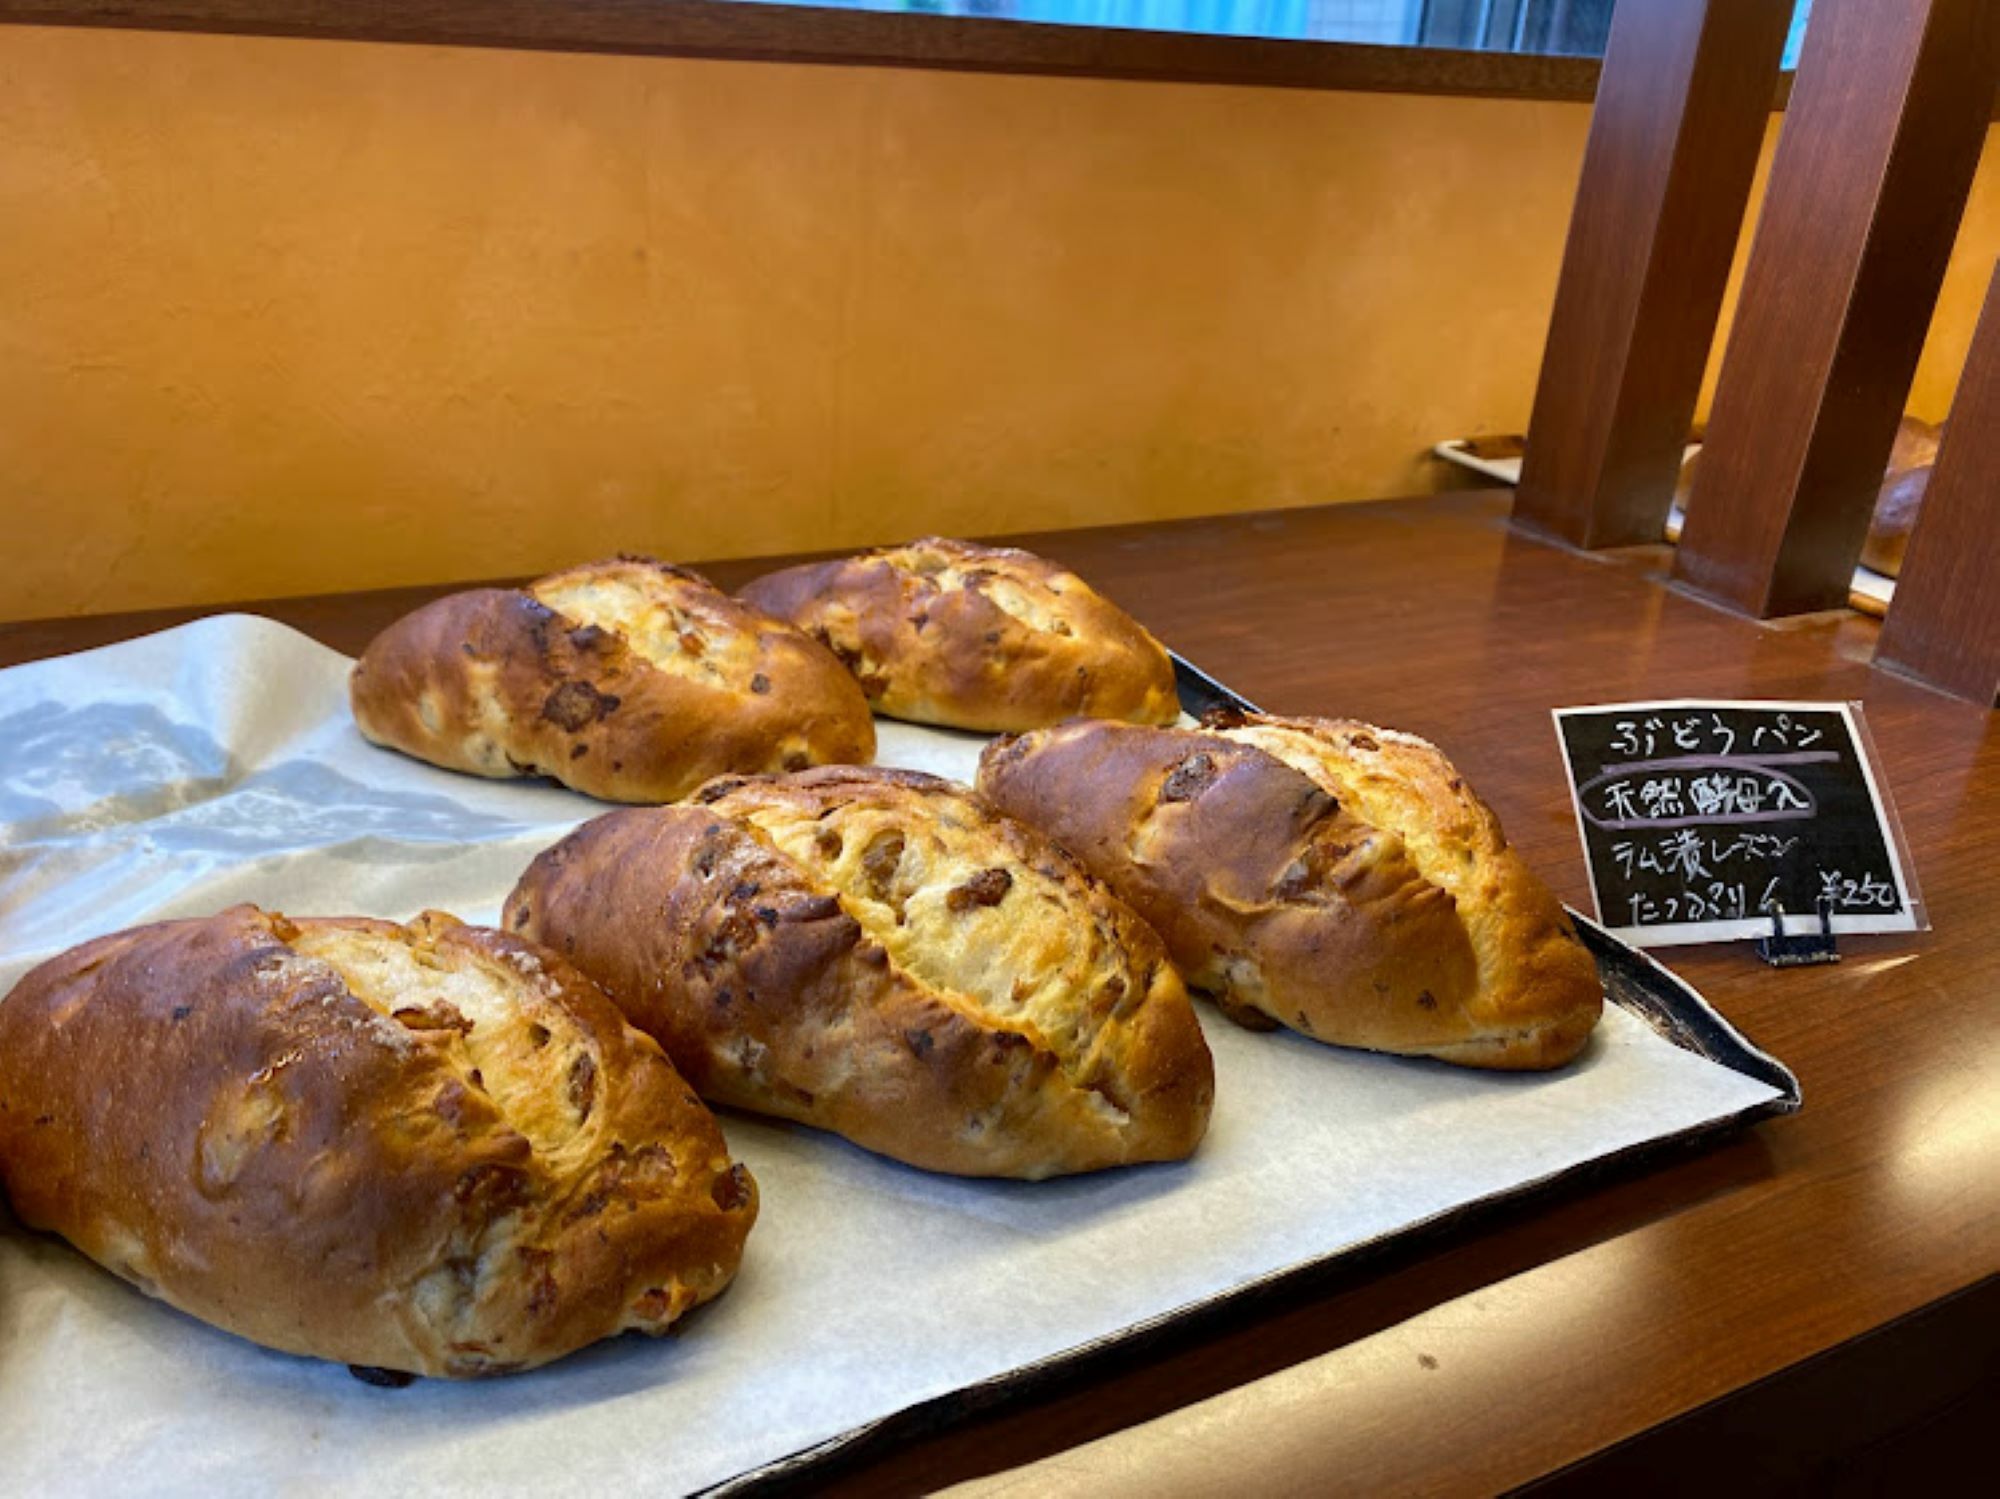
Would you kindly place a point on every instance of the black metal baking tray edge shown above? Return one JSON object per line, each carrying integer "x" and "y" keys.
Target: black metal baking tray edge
{"x": 1632, "y": 980}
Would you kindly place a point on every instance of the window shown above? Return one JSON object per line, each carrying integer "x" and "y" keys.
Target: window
{"x": 1522, "y": 49}
{"x": 1563, "y": 27}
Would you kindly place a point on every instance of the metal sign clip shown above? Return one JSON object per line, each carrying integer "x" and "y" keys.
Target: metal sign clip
{"x": 1782, "y": 951}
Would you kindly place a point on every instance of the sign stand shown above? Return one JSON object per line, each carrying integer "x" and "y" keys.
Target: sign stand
{"x": 1796, "y": 951}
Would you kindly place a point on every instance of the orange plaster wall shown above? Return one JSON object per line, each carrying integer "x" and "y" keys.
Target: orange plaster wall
{"x": 288, "y": 317}
{"x": 284, "y": 316}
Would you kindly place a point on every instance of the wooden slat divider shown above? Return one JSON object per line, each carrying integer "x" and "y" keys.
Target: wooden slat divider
{"x": 1681, "y": 112}
{"x": 1867, "y": 187}
{"x": 1944, "y": 624}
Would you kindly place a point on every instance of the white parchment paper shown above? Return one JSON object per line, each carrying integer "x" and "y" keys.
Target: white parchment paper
{"x": 179, "y": 773}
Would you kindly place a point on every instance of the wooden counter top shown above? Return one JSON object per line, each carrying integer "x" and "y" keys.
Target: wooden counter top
{"x": 1804, "y": 1304}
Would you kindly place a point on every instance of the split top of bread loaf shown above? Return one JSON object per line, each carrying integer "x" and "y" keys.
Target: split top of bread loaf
{"x": 976, "y": 637}
{"x": 631, "y": 680}
{"x": 1531, "y": 967}
{"x": 880, "y": 954}
{"x": 431, "y": 1148}
{"x": 1328, "y": 876}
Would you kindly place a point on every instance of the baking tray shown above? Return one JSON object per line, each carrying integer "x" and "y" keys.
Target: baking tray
{"x": 1632, "y": 980}
{"x": 193, "y": 1410}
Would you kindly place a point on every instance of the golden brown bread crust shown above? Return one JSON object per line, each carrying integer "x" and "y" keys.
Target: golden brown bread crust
{"x": 1896, "y": 507}
{"x": 630, "y": 680}
{"x": 434, "y": 1149}
{"x": 1328, "y": 876}
{"x": 1684, "y": 485}
{"x": 1915, "y": 444}
{"x": 1901, "y": 495}
{"x": 976, "y": 637}
{"x": 878, "y": 953}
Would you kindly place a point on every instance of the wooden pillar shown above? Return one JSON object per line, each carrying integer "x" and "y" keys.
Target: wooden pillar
{"x": 1944, "y": 623}
{"x": 1873, "y": 164}
{"x": 1682, "y": 106}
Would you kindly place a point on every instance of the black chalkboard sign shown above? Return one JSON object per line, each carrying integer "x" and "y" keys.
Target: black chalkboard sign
{"x": 1701, "y": 819}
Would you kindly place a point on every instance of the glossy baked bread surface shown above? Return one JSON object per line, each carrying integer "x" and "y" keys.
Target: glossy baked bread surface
{"x": 630, "y": 680}
{"x": 1328, "y": 876}
{"x": 880, "y": 954}
{"x": 433, "y": 1148}
{"x": 1897, "y": 505}
{"x": 976, "y": 637}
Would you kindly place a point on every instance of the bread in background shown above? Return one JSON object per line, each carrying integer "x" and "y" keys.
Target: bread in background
{"x": 1897, "y": 503}
{"x": 1916, "y": 444}
{"x": 630, "y": 680}
{"x": 993, "y": 639}
{"x": 1896, "y": 509}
